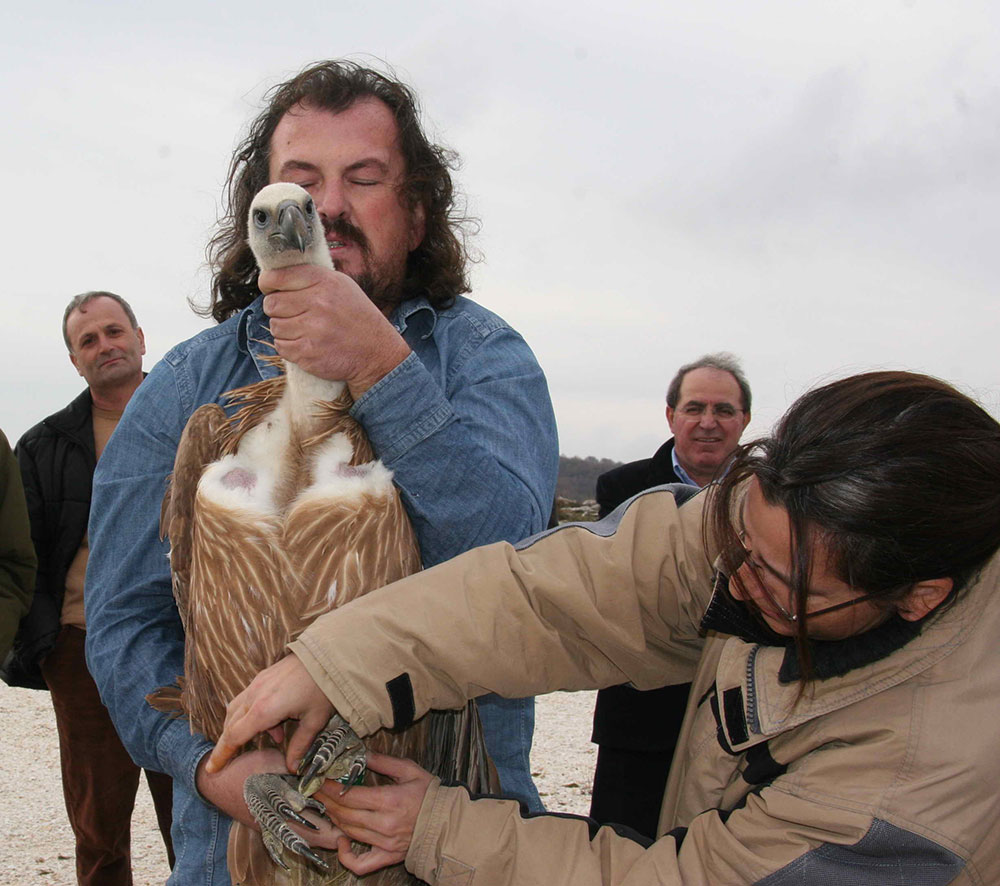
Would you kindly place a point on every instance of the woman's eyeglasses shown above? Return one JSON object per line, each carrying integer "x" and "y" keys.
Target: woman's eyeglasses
{"x": 790, "y": 617}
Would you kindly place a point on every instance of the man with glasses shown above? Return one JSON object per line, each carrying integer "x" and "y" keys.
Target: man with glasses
{"x": 708, "y": 407}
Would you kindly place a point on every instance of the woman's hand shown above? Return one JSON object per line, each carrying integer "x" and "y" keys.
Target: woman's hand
{"x": 383, "y": 817}
{"x": 284, "y": 691}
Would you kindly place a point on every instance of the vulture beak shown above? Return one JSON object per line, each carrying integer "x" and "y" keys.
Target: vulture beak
{"x": 292, "y": 226}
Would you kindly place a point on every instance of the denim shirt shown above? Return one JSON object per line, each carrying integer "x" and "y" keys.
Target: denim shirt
{"x": 465, "y": 423}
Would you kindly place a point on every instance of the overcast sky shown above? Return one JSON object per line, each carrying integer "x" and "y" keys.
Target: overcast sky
{"x": 811, "y": 185}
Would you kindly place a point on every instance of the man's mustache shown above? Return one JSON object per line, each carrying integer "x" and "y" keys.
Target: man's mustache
{"x": 343, "y": 229}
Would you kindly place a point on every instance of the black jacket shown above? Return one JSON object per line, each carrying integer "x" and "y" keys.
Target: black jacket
{"x": 625, "y": 717}
{"x": 621, "y": 483}
{"x": 57, "y": 459}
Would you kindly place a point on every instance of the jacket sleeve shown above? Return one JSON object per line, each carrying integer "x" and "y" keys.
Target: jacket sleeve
{"x": 475, "y": 460}
{"x": 775, "y": 839}
{"x": 135, "y": 641}
{"x": 588, "y": 605}
{"x": 461, "y": 842}
{"x": 17, "y": 555}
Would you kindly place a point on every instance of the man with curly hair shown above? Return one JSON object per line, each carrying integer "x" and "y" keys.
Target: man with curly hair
{"x": 450, "y": 396}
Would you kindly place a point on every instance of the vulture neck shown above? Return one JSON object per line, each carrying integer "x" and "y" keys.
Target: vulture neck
{"x": 303, "y": 391}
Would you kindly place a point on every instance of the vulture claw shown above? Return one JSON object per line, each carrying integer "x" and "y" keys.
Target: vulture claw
{"x": 272, "y": 800}
{"x": 336, "y": 753}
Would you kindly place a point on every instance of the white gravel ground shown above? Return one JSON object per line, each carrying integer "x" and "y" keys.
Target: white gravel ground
{"x": 36, "y": 844}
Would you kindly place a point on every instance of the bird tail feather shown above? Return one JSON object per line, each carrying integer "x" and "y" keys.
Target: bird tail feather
{"x": 169, "y": 699}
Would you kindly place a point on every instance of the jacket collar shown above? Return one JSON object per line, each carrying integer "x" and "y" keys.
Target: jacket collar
{"x": 253, "y": 338}
{"x": 831, "y": 658}
{"x": 662, "y": 462}
{"x": 756, "y": 697}
{"x": 418, "y": 313}
{"x": 71, "y": 419}
{"x": 76, "y": 422}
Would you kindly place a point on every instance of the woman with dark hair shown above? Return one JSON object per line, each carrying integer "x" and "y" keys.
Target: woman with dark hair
{"x": 833, "y": 600}
{"x": 884, "y": 482}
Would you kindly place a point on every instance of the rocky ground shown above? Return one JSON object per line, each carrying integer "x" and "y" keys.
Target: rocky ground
{"x": 36, "y": 844}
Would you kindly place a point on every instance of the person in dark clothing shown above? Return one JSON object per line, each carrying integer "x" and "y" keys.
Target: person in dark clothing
{"x": 17, "y": 556}
{"x": 708, "y": 407}
{"x": 57, "y": 458}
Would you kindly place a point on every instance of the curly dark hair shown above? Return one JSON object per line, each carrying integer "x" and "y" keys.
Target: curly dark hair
{"x": 436, "y": 268}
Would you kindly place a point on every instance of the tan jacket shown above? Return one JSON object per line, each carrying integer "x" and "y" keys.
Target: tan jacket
{"x": 887, "y": 775}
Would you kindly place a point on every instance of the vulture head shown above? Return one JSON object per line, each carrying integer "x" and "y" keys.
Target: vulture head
{"x": 285, "y": 229}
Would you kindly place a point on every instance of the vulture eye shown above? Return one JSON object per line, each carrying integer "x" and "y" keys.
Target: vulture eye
{"x": 309, "y": 207}
{"x": 259, "y": 217}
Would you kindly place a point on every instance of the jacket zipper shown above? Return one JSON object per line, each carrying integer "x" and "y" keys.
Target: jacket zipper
{"x": 752, "y": 720}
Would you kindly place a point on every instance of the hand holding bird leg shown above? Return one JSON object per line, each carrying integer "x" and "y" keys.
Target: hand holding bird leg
{"x": 276, "y": 801}
{"x": 224, "y": 789}
{"x": 273, "y": 800}
{"x": 260, "y": 770}
{"x": 383, "y": 817}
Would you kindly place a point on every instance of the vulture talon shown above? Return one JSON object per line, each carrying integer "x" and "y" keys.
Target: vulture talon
{"x": 355, "y": 775}
{"x": 336, "y": 753}
{"x": 272, "y": 800}
{"x": 311, "y": 763}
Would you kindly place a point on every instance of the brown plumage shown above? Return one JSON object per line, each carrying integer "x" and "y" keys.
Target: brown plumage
{"x": 277, "y": 515}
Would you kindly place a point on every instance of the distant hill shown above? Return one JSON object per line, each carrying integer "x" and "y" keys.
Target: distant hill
{"x": 577, "y": 476}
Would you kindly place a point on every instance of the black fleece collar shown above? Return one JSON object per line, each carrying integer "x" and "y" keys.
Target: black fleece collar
{"x": 831, "y": 658}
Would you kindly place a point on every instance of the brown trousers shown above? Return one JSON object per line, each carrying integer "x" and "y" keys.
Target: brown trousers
{"x": 99, "y": 778}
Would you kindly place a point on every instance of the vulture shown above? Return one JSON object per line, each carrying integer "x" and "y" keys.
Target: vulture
{"x": 276, "y": 514}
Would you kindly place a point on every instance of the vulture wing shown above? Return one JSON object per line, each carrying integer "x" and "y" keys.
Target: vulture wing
{"x": 200, "y": 445}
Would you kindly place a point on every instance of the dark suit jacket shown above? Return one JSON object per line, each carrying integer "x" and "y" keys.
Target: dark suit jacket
{"x": 621, "y": 483}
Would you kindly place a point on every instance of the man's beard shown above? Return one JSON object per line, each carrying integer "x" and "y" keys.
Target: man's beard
{"x": 381, "y": 282}
{"x": 384, "y": 293}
